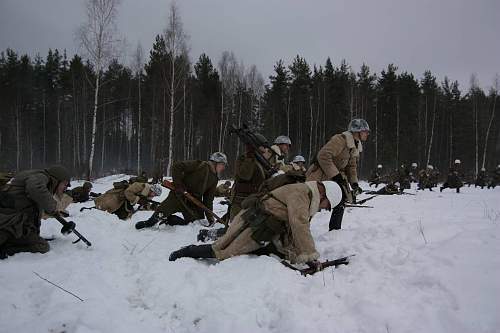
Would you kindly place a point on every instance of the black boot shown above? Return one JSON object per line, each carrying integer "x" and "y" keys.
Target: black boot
{"x": 175, "y": 220}
{"x": 155, "y": 218}
{"x": 441, "y": 189}
{"x": 336, "y": 218}
{"x": 193, "y": 251}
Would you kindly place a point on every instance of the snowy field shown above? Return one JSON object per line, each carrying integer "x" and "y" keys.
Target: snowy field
{"x": 424, "y": 263}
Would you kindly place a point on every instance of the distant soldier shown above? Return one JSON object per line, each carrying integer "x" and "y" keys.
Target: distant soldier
{"x": 481, "y": 179}
{"x": 495, "y": 179}
{"x": 121, "y": 199}
{"x": 83, "y": 193}
{"x": 414, "y": 172}
{"x": 434, "y": 177}
{"x": 142, "y": 178}
{"x": 281, "y": 148}
{"x": 403, "y": 177}
{"x": 25, "y": 197}
{"x": 223, "y": 190}
{"x": 454, "y": 179}
{"x": 375, "y": 177}
{"x": 199, "y": 178}
{"x": 299, "y": 163}
{"x": 424, "y": 178}
{"x": 277, "y": 222}
{"x": 388, "y": 189}
{"x": 337, "y": 161}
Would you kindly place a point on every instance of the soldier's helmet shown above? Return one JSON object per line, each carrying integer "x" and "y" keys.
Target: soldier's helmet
{"x": 333, "y": 192}
{"x": 498, "y": 166}
{"x": 156, "y": 189}
{"x": 261, "y": 139}
{"x": 414, "y": 165}
{"x": 282, "y": 139}
{"x": 483, "y": 169}
{"x": 227, "y": 183}
{"x": 430, "y": 167}
{"x": 379, "y": 166}
{"x": 59, "y": 172}
{"x": 218, "y": 157}
{"x": 299, "y": 158}
{"x": 457, "y": 161}
{"x": 87, "y": 186}
{"x": 358, "y": 125}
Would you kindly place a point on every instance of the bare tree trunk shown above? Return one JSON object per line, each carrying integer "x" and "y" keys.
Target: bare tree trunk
{"x": 172, "y": 107}
{"x": 288, "y": 115}
{"x": 488, "y": 131}
{"x": 310, "y": 127}
{"x": 432, "y": 132}
{"x": 376, "y": 132}
{"x": 184, "y": 127}
{"x": 397, "y": 131}
{"x": 18, "y": 140}
{"x": 221, "y": 116}
{"x": 476, "y": 140}
{"x": 59, "y": 132}
{"x": 139, "y": 127}
{"x": 94, "y": 122}
{"x": 44, "y": 132}
{"x": 103, "y": 142}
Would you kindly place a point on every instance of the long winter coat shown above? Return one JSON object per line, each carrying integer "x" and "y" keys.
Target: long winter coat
{"x": 113, "y": 199}
{"x": 32, "y": 192}
{"x": 339, "y": 155}
{"x": 293, "y": 205}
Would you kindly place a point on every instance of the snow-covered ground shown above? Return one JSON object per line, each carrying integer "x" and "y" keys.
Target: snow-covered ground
{"x": 424, "y": 263}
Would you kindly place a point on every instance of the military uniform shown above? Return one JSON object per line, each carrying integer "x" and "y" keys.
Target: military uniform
{"x": 200, "y": 179}
{"x": 26, "y": 196}
{"x": 454, "y": 180}
{"x": 121, "y": 201}
{"x": 337, "y": 160}
{"x": 223, "y": 190}
{"x": 424, "y": 180}
{"x": 374, "y": 178}
{"x": 495, "y": 179}
{"x": 404, "y": 178}
{"x": 248, "y": 176}
{"x": 481, "y": 179}
{"x": 281, "y": 217}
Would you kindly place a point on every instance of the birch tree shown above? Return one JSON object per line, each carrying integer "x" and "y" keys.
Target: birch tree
{"x": 177, "y": 51}
{"x": 494, "y": 95}
{"x": 97, "y": 37}
{"x": 138, "y": 64}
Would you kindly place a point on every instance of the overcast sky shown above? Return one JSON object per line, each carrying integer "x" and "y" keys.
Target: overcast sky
{"x": 449, "y": 37}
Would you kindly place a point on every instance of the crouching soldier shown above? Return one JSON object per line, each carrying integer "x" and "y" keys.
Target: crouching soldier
{"x": 375, "y": 177}
{"x": 453, "y": 180}
{"x": 24, "y": 198}
{"x": 495, "y": 179}
{"x": 199, "y": 178}
{"x": 280, "y": 217}
{"x": 337, "y": 161}
{"x": 481, "y": 179}
{"x": 121, "y": 199}
{"x": 83, "y": 193}
{"x": 424, "y": 178}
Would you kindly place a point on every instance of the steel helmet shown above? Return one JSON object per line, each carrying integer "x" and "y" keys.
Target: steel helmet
{"x": 457, "y": 161}
{"x": 430, "y": 167}
{"x": 414, "y": 165}
{"x": 333, "y": 192}
{"x": 218, "y": 157}
{"x": 379, "y": 166}
{"x": 282, "y": 139}
{"x": 358, "y": 125}
{"x": 299, "y": 158}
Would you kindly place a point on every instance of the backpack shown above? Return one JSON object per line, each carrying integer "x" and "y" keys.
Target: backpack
{"x": 270, "y": 184}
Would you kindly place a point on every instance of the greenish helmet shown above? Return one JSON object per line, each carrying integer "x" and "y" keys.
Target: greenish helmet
{"x": 59, "y": 172}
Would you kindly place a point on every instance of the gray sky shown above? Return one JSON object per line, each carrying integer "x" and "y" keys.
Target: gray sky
{"x": 449, "y": 37}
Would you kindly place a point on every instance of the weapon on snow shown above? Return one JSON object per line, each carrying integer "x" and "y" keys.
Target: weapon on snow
{"x": 69, "y": 227}
{"x": 348, "y": 205}
{"x": 362, "y": 201}
{"x": 196, "y": 202}
{"x": 87, "y": 208}
{"x": 322, "y": 266}
{"x": 249, "y": 138}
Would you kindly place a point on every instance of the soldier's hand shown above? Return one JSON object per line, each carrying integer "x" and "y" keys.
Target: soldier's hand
{"x": 68, "y": 228}
{"x": 315, "y": 264}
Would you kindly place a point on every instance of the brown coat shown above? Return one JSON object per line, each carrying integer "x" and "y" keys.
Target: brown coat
{"x": 339, "y": 155}
{"x": 113, "y": 199}
{"x": 293, "y": 205}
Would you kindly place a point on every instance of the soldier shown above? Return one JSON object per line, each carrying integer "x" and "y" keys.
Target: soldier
{"x": 337, "y": 160}
{"x": 26, "y": 196}
{"x": 199, "y": 178}
{"x": 375, "y": 177}
{"x": 83, "y": 193}
{"x": 495, "y": 179}
{"x": 249, "y": 174}
{"x": 142, "y": 178}
{"x": 223, "y": 190}
{"x": 414, "y": 172}
{"x": 403, "y": 177}
{"x": 281, "y": 148}
{"x": 299, "y": 163}
{"x": 481, "y": 179}
{"x": 121, "y": 200}
{"x": 424, "y": 178}
{"x": 454, "y": 178}
{"x": 434, "y": 177}
{"x": 280, "y": 218}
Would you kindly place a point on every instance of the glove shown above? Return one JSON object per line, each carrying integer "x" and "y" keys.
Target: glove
{"x": 68, "y": 228}
{"x": 356, "y": 190}
{"x": 316, "y": 265}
